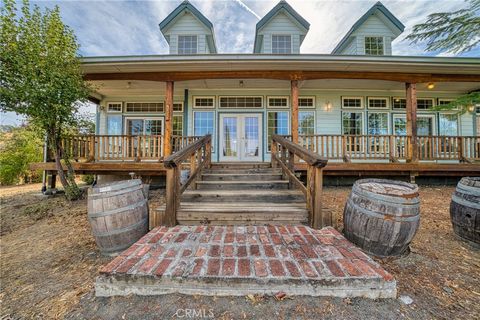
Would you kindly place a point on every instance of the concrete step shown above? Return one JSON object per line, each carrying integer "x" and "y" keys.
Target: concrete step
{"x": 242, "y": 185}
{"x": 273, "y": 196}
{"x": 240, "y": 165}
{"x": 240, "y": 177}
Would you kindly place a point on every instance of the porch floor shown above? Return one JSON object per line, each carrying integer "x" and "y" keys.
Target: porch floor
{"x": 241, "y": 260}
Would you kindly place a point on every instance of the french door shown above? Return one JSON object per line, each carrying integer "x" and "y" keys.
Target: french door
{"x": 144, "y": 137}
{"x": 240, "y": 137}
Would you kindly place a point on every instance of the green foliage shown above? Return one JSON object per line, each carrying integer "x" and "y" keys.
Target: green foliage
{"x": 40, "y": 74}
{"x": 455, "y": 32}
{"x": 462, "y": 103}
{"x": 18, "y": 148}
{"x": 88, "y": 178}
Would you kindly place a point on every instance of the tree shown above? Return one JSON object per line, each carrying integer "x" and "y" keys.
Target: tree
{"x": 40, "y": 76}
{"x": 454, "y": 32}
{"x": 19, "y": 147}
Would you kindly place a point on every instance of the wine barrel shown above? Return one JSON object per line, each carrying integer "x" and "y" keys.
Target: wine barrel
{"x": 382, "y": 216}
{"x": 465, "y": 209}
{"x": 118, "y": 215}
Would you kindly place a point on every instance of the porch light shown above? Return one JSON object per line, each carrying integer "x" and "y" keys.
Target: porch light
{"x": 470, "y": 108}
{"x": 129, "y": 85}
{"x": 328, "y": 106}
{"x": 430, "y": 86}
{"x": 241, "y": 84}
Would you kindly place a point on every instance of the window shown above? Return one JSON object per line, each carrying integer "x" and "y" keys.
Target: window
{"x": 377, "y": 103}
{"x": 281, "y": 44}
{"x": 352, "y": 102}
{"x": 444, "y": 102}
{"x": 114, "y": 124}
{"x": 277, "y": 123}
{"x": 425, "y": 125}
{"x": 277, "y": 102}
{"x": 187, "y": 44}
{"x": 177, "y": 125}
{"x": 139, "y": 126}
{"x": 374, "y": 46}
{"x": 424, "y": 104}
{"x": 144, "y": 107}
{"x": 306, "y": 122}
{"x": 203, "y": 122}
{"x": 240, "y": 102}
{"x": 352, "y": 123}
{"x": 114, "y": 107}
{"x": 448, "y": 124}
{"x": 399, "y": 125}
{"x": 204, "y": 102}
{"x": 399, "y": 103}
{"x": 306, "y": 102}
{"x": 178, "y": 106}
{"x": 377, "y": 123}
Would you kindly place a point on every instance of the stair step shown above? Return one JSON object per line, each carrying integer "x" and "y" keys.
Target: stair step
{"x": 240, "y": 176}
{"x": 273, "y": 196}
{"x": 237, "y": 185}
{"x": 237, "y": 165}
{"x": 243, "y": 171}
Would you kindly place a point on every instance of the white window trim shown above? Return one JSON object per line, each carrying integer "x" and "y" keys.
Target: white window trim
{"x": 387, "y": 103}
{"x": 144, "y": 112}
{"x": 362, "y": 102}
{"x": 365, "y": 43}
{"x": 204, "y": 97}
{"x": 433, "y": 104}
{"x": 278, "y": 107}
{"x": 314, "y": 118}
{"x": 237, "y": 96}
{"x": 306, "y": 107}
{"x": 125, "y": 128}
{"x": 353, "y": 111}
{"x": 114, "y": 102}
{"x": 419, "y": 115}
{"x": 393, "y": 100}
{"x": 449, "y": 113}
{"x": 186, "y": 35}
{"x": 214, "y": 132}
{"x": 446, "y": 99}
{"x": 388, "y": 120}
{"x": 177, "y": 102}
{"x": 266, "y": 123}
{"x": 282, "y": 34}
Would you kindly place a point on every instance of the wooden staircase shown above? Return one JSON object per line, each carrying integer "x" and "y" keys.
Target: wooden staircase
{"x": 242, "y": 193}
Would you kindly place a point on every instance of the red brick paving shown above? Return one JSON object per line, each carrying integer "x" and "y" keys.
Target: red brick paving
{"x": 251, "y": 252}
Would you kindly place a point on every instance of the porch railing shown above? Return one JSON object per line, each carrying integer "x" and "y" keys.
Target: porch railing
{"x": 121, "y": 147}
{"x": 392, "y": 147}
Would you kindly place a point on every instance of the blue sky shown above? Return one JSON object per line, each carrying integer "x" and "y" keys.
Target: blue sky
{"x": 106, "y": 28}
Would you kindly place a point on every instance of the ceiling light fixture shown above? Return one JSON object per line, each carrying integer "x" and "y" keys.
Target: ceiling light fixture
{"x": 430, "y": 85}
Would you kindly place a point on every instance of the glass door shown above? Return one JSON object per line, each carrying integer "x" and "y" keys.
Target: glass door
{"x": 240, "y": 137}
{"x": 143, "y": 137}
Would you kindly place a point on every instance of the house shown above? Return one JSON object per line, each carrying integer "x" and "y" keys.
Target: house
{"x": 357, "y": 106}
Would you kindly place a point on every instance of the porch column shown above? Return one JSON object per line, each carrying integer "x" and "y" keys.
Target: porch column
{"x": 167, "y": 138}
{"x": 294, "y": 110}
{"x": 411, "y": 99}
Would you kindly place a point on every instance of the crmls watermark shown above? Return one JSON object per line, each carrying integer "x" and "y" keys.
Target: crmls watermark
{"x": 194, "y": 313}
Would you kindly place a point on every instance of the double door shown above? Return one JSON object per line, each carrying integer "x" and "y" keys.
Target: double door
{"x": 240, "y": 137}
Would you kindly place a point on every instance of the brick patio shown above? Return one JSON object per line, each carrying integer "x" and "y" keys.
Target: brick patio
{"x": 239, "y": 260}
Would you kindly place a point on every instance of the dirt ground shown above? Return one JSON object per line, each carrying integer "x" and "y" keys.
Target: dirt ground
{"x": 49, "y": 262}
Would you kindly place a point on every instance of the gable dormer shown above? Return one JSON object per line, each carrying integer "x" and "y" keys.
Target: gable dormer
{"x": 188, "y": 31}
{"x": 372, "y": 34}
{"x": 280, "y": 31}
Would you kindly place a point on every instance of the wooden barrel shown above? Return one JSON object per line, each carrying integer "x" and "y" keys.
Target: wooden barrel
{"x": 382, "y": 216}
{"x": 118, "y": 214}
{"x": 465, "y": 209}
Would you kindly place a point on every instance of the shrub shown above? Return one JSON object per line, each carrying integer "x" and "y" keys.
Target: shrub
{"x": 88, "y": 178}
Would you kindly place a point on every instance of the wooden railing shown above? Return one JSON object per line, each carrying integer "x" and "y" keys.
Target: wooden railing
{"x": 199, "y": 155}
{"x": 284, "y": 153}
{"x": 392, "y": 147}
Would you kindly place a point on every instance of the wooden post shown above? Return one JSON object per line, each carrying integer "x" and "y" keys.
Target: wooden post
{"x": 172, "y": 182}
{"x": 193, "y": 167}
{"x": 291, "y": 167}
{"x": 167, "y": 141}
{"x": 273, "y": 153}
{"x": 294, "y": 110}
{"x": 461, "y": 155}
{"x": 411, "y": 99}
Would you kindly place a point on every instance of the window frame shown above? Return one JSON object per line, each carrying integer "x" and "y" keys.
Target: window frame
{"x": 428, "y": 109}
{"x": 126, "y": 118}
{"x": 440, "y": 114}
{"x": 278, "y": 107}
{"x": 177, "y": 102}
{"x": 308, "y": 110}
{"x": 393, "y": 103}
{"x": 362, "y": 103}
{"x": 187, "y": 35}
{"x": 386, "y": 99}
{"x": 267, "y": 127}
{"x": 419, "y": 115}
{"x": 203, "y": 97}
{"x": 214, "y": 125}
{"x": 362, "y": 126}
{"x": 126, "y": 112}
{"x": 282, "y": 35}
{"x": 388, "y": 122}
{"x": 365, "y": 45}
{"x": 114, "y": 102}
{"x": 446, "y": 99}
{"x": 307, "y": 107}
{"x": 237, "y": 108}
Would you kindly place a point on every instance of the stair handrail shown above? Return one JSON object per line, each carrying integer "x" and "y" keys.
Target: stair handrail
{"x": 200, "y": 154}
{"x": 283, "y": 153}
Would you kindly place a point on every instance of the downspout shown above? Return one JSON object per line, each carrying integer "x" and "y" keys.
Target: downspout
{"x": 185, "y": 113}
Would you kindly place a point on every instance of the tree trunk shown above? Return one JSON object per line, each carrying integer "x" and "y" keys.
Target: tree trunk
{"x": 72, "y": 192}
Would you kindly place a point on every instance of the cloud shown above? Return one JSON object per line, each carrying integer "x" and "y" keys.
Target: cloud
{"x": 243, "y": 5}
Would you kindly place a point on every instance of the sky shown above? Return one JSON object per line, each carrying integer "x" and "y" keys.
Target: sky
{"x": 118, "y": 27}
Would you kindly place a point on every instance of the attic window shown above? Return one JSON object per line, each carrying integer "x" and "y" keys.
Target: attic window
{"x": 374, "y": 46}
{"x": 281, "y": 44}
{"x": 187, "y": 44}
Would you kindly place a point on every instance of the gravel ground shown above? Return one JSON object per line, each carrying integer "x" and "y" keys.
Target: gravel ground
{"x": 49, "y": 262}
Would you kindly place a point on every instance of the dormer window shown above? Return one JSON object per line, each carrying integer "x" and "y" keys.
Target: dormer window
{"x": 281, "y": 44}
{"x": 187, "y": 44}
{"x": 374, "y": 46}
